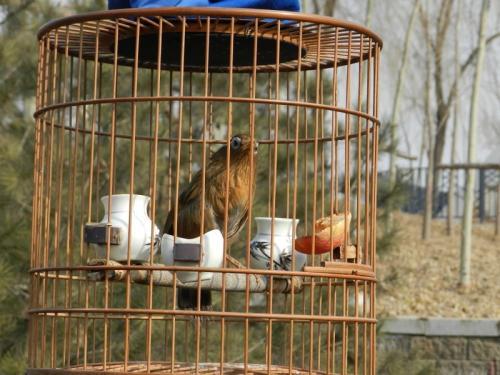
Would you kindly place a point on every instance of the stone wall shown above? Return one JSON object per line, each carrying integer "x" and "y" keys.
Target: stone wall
{"x": 441, "y": 346}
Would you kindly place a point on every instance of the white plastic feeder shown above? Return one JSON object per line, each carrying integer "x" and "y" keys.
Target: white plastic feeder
{"x": 180, "y": 253}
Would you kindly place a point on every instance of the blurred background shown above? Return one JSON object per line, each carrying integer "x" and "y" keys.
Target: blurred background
{"x": 439, "y": 177}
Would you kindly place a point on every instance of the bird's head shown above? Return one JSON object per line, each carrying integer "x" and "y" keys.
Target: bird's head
{"x": 241, "y": 147}
{"x": 242, "y": 144}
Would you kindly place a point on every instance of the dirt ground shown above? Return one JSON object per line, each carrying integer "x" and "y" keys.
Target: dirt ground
{"x": 420, "y": 278}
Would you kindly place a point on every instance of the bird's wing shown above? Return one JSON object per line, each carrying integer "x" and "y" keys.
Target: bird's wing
{"x": 236, "y": 220}
{"x": 189, "y": 221}
{"x": 189, "y": 213}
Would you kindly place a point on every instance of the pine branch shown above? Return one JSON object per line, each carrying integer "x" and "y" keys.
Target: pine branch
{"x": 16, "y": 11}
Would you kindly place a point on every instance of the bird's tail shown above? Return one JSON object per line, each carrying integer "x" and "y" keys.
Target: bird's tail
{"x": 187, "y": 299}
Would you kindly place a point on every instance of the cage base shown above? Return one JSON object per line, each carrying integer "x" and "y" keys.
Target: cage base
{"x": 160, "y": 368}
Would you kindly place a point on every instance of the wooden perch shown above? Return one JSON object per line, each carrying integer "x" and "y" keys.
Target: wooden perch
{"x": 343, "y": 269}
{"x": 234, "y": 282}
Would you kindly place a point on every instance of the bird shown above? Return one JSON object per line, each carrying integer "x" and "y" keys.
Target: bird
{"x": 240, "y": 194}
{"x": 329, "y": 234}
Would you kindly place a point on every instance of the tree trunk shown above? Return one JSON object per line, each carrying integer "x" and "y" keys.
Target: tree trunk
{"x": 451, "y": 172}
{"x": 394, "y": 123}
{"x": 316, "y": 7}
{"x": 426, "y": 227}
{"x": 465, "y": 249}
{"x": 444, "y": 103}
{"x": 369, "y": 12}
{"x": 443, "y": 106}
{"x": 497, "y": 218}
{"x": 451, "y": 175}
{"x": 442, "y": 117}
{"x": 330, "y": 7}
{"x": 421, "y": 155}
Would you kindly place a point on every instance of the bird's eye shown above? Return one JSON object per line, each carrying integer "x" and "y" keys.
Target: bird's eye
{"x": 235, "y": 143}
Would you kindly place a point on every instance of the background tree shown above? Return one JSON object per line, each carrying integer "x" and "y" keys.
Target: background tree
{"x": 465, "y": 249}
{"x": 393, "y": 124}
{"x": 444, "y": 87}
{"x": 19, "y": 22}
{"x": 429, "y": 130}
{"x": 454, "y": 132}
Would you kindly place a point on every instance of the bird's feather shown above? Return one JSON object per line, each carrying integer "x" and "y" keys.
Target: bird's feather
{"x": 189, "y": 205}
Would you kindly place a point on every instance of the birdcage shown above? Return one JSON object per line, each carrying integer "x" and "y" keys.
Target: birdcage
{"x": 253, "y": 135}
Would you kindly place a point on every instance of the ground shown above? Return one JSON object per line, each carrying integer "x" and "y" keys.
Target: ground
{"x": 420, "y": 278}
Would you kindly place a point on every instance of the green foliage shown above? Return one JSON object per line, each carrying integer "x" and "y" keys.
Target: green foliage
{"x": 12, "y": 363}
{"x": 19, "y": 22}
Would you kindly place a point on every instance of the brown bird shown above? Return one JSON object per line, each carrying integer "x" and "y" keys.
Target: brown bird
{"x": 241, "y": 190}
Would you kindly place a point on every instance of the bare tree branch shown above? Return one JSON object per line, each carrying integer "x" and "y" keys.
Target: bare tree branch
{"x": 468, "y": 62}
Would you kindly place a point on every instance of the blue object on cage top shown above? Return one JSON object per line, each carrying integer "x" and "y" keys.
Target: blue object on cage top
{"x": 291, "y": 5}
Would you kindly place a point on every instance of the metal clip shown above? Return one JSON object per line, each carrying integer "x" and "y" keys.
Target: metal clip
{"x": 97, "y": 233}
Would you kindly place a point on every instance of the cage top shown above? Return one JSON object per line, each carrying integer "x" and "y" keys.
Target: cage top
{"x": 239, "y": 40}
